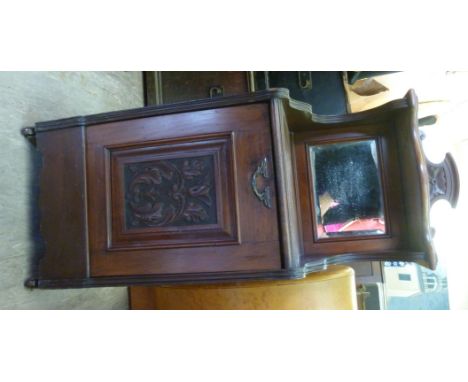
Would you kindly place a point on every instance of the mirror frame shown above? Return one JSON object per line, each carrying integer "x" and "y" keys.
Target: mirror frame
{"x": 405, "y": 184}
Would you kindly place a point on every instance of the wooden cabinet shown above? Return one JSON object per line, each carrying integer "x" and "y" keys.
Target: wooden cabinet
{"x": 219, "y": 189}
{"x": 171, "y": 87}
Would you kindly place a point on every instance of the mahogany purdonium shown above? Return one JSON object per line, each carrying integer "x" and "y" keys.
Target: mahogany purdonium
{"x": 228, "y": 189}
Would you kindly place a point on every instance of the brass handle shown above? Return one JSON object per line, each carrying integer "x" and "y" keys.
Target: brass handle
{"x": 265, "y": 195}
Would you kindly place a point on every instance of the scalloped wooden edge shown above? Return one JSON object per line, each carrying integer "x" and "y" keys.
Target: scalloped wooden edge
{"x": 423, "y": 174}
{"x": 282, "y": 93}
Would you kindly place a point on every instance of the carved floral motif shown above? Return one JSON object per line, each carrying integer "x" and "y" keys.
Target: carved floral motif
{"x": 437, "y": 181}
{"x": 171, "y": 192}
{"x": 444, "y": 181}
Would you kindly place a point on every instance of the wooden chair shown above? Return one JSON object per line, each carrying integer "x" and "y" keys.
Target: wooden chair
{"x": 333, "y": 288}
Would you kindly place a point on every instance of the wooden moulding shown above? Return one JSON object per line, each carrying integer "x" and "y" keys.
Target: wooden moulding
{"x": 166, "y": 109}
{"x": 405, "y": 182}
{"x": 415, "y": 183}
{"x": 289, "y": 213}
{"x": 63, "y": 144}
{"x": 219, "y": 149}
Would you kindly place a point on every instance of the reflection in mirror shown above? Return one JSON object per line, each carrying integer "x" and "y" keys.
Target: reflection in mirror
{"x": 347, "y": 189}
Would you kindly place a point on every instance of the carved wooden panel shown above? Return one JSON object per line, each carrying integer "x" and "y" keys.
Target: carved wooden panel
{"x": 172, "y": 193}
{"x": 238, "y": 234}
{"x": 444, "y": 181}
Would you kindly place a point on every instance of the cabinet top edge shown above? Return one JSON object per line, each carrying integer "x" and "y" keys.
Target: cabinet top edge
{"x": 172, "y": 108}
{"x": 280, "y": 94}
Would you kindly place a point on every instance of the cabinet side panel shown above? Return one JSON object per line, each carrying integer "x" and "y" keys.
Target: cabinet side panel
{"x": 284, "y": 160}
{"x": 415, "y": 183}
{"x": 63, "y": 204}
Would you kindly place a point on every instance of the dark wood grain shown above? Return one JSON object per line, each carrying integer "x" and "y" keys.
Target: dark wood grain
{"x": 258, "y": 226}
{"x": 185, "y": 86}
{"x": 415, "y": 182}
{"x": 291, "y": 239}
{"x": 180, "y": 218}
{"x": 175, "y": 278}
{"x": 300, "y": 115}
{"x": 63, "y": 204}
{"x": 84, "y": 192}
{"x": 167, "y": 109}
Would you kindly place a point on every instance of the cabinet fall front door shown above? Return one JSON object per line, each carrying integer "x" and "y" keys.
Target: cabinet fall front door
{"x": 174, "y": 194}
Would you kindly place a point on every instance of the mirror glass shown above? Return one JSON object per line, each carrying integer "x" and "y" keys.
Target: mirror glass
{"x": 347, "y": 189}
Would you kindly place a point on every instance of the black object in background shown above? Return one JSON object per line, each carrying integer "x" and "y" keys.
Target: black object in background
{"x": 323, "y": 90}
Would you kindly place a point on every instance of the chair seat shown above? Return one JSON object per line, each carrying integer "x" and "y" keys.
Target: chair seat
{"x": 333, "y": 288}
